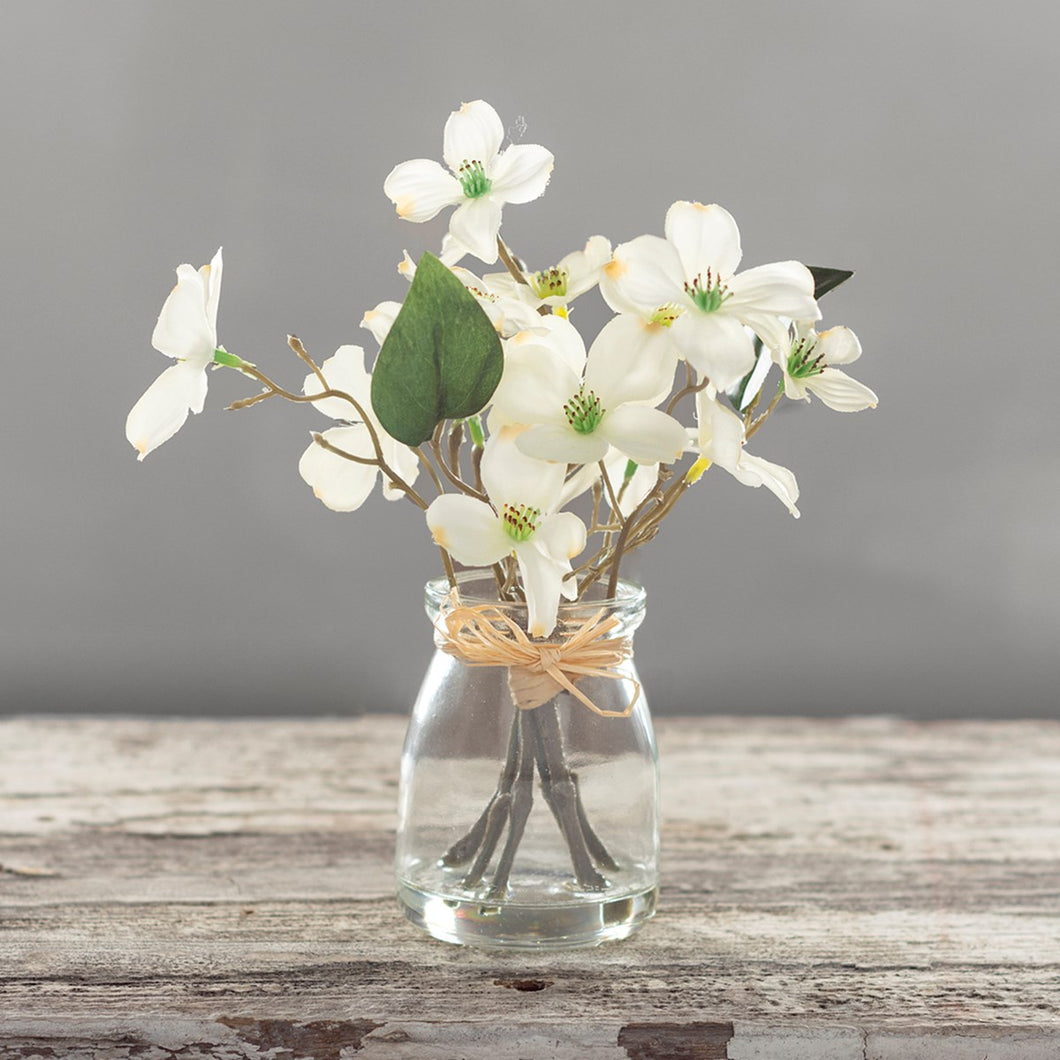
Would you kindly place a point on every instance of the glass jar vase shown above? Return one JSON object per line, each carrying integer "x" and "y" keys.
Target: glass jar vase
{"x": 532, "y": 825}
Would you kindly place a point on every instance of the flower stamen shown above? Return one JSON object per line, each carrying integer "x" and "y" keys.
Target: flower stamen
{"x": 473, "y": 179}
{"x": 520, "y": 521}
{"x": 801, "y": 362}
{"x": 667, "y": 314}
{"x": 583, "y": 411}
{"x": 550, "y": 283}
{"x": 709, "y": 294}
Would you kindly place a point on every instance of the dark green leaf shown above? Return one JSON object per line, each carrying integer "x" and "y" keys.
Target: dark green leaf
{"x": 825, "y": 280}
{"x": 442, "y": 359}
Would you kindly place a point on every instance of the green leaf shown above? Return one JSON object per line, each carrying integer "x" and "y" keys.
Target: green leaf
{"x": 442, "y": 359}
{"x": 229, "y": 360}
{"x": 825, "y": 279}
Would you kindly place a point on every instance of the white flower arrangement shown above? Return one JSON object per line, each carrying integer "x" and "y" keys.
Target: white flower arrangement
{"x": 484, "y": 387}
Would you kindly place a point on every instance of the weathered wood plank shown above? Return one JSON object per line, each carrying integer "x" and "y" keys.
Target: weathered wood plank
{"x": 867, "y": 887}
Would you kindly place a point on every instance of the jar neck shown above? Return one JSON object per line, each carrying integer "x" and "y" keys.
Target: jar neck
{"x": 477, "y": 589}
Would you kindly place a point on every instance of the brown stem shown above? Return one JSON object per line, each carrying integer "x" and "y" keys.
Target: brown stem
{"x": 510, "y": 262}
{"x": 611, "y": 498}
{"x": 447, "y": 563}
{"x": 456, "y": 440}
{"x": 461, "y": 485}
{"x": 275, "y": 390}
{"x": 296, "y": 344}
{"x": 430, "y": 470}
{"x": 627, "y": 526}
{"x": 690, "y": 387}
{"x": 396, "y": 481}
{"x": 765, "y": 415}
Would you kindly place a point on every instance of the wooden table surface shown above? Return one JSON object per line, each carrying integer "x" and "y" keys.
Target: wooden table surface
{"x": 871, "y": 889}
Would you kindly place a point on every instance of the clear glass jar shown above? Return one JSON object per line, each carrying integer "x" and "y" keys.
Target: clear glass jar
{"x": 528, "y": 827}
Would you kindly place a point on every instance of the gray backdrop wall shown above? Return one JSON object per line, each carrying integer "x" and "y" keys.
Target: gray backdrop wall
{"x": 915, "y": 142}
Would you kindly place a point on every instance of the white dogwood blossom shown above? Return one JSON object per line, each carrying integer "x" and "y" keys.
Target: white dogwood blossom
{"x": 576, "y": 414}
{"x": 343, "y": 485}
{"x": 721, "y": 438}
{"x": 689, "y": 281}
{"x": 520, "y": 519}
{"x": 187, "y": 332}
{"x": 807, "y": 364}
{"x": 558, "y": 286}
{"x": 480, "y": 180}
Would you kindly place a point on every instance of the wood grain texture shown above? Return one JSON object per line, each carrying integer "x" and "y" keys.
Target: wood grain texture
{"x": 864, "y": 888}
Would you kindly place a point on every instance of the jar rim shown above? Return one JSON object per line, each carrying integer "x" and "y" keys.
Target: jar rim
{"x": 475, "y": 589}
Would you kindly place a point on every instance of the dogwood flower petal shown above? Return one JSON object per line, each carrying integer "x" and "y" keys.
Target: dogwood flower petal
{"x": 557, "y": 334}
{"x": 642, "y": 275}
{"x": 521, "y": 173}
{"x": 705, "y": 237}
{"x": 344, "y": 371}
{"x": 475, "y": 224}
{"x": 421, "y": 188}
{"x": 754, "y": 471}
{"x": 837, "y": 345}
{"x": 631, "y": 360}
{"x": 164, "y": 406}
{"x": 473, "y": 133}
{"x": 380, "y": 320}
{"x": 535, "y": 385}
{"x": 562, "y": 535}
{"x": 583, "y": 267}
{"x": 559, "y": 444}
{"x": 211, "y": 281}
{"x": 512, "y": 477}
{"x": 839, "y": 392}
{"x": 542, "y": 579}
{"x": 645, "y": 435}
{"x": 468, "y": 529}
{"x": 721, "y": 440}
{"x": 340, "y": 484}
{"x": 184, "y": 331}
{"x": 402, "y": 460}
{"x": 782, "y": 287}
{"x": 717, "y": 346}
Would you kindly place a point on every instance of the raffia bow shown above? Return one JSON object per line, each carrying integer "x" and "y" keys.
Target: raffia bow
{"x": 484, "y": 635}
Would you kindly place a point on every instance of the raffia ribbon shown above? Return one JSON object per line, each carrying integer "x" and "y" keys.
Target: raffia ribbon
{"x": 484, "y": 635}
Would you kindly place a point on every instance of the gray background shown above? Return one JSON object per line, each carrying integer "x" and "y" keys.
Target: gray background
{"x": 914, "y": 142}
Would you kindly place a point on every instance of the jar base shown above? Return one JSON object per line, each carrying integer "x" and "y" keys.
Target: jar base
{"x": 510, "y": 925}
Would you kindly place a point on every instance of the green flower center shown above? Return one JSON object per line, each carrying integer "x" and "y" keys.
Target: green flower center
{"x": 520, "y": 521}
{"x": 549, "y": 283}
{"x": 801, "y": 362}
{"x": 473, "y": 179}
{"x": 583, "y": 411}
{"x": 667, "y": 314}
{"x": 708, "y": 294}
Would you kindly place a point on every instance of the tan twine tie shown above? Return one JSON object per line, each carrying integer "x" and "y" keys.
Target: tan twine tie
{"x": 484, "y": 635}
